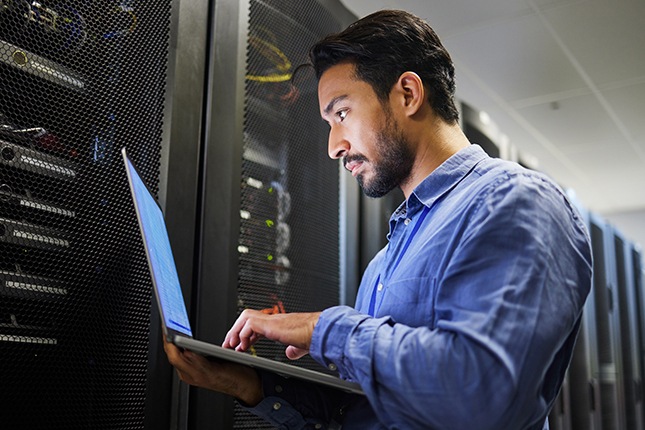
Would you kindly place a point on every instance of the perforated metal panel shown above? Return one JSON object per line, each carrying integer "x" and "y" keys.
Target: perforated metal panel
{"x": 79, "y": 79}
{"x": 289, "y": 244}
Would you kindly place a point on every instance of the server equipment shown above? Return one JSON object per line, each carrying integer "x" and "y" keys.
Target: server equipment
{"x": 628, "y": 331}
{"x": 272, "y": 199}
{"x": 78, "y": 79}
{"x": 607, "y": 326}
{"x": 258, "y": 214}
{"x": 584, "y": 371}
{"x": 605, "y": 375}
{"x": 638, "y": 273}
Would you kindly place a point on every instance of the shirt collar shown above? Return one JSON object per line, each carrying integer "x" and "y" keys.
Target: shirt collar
{"x": 441, "y": 180}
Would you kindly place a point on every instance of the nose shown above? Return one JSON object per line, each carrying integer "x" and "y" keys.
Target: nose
{"x": 337, "y": 146}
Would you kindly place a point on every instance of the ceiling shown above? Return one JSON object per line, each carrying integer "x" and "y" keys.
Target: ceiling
{"x": 563, "y": 81}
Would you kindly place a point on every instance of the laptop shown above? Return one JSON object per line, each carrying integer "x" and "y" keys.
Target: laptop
{"x": 174, "y": 317}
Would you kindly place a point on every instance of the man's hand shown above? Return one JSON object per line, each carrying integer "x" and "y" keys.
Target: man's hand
{"x": 293, "y": 330}
{"x": 241, "y": 382}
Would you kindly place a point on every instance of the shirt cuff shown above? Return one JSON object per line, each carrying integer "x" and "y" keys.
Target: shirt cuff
{"x": 342, "y": 331}
{"x": 289, "y": 403}
{"x": 278, "y": 412}
{"x": 274, "y": 408}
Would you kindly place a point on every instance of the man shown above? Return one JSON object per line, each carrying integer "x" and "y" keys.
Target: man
{"x": 468, "y": 317}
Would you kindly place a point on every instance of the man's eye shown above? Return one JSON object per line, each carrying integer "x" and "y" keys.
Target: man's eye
{"x": 342, "y": 114}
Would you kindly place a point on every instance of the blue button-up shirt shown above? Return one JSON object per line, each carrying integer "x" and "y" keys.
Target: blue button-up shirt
{"x": 474, "y": 317}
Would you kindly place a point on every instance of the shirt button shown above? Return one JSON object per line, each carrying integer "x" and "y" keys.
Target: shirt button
{"x": 276, "y": 406}
{"x": 318, "y": 426}
{"x": 332, "y": 367}
{"x": 379, "y": 287}
{"x": 278, "y": 388}
{"x": 407, "y": 221}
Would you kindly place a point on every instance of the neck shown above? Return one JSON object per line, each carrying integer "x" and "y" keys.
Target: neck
{"x": 436, "y": 143}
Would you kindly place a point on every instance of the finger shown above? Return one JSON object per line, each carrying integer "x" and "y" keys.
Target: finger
{"x": 294, "y": 353}
{"x": 247, "y": 330}
{"x": 246, "y": 336}
{"x": 232, "y": 339}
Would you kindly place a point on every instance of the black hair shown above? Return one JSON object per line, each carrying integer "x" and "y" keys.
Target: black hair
{"x": 386, "y": 44}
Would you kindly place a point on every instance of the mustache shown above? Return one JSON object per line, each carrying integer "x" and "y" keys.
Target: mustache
{"x": 354, "y": 157}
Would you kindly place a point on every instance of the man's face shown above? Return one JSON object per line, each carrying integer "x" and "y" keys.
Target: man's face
{"x": 363, "y": 132}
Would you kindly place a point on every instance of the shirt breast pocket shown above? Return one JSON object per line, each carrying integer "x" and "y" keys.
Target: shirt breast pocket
{"x": 410, "y": 301}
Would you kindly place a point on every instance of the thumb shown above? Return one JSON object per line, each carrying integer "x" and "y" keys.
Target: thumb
{"x": 294, "y": 353}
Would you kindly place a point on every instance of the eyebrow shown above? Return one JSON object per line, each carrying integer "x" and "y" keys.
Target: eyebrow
{"x": 333, "y": 101}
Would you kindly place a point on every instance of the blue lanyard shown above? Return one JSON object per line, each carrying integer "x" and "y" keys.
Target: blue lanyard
{"x": 398, "y": 260}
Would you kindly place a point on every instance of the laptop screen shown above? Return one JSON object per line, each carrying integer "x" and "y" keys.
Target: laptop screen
{"x": 160, "y": 259}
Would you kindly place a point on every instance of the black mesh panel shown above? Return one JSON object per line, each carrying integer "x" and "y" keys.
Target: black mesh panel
{"x": 289, "y": 245}
{"x": 79, "y": 79}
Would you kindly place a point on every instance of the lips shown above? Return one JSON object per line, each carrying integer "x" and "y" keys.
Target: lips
{"x": 353, "y": 163}
{"x": 353, "y": 166}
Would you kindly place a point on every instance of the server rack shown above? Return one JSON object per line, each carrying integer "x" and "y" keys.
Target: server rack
{"x": 638, "y": 273}
{"x": 271, "y": 199}
{"x": 630, "y": 372}
{"x": 606, "y": 369}
{"x": 607, "y": 326}
{"x": 78, "y": 80}
{"x": 560, "y": 417}
{"x": 584, "y": 371}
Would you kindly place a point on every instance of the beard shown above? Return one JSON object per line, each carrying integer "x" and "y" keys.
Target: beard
{"x": 395, "y": 161}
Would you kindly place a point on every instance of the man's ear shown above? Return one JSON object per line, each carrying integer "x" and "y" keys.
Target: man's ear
{"x": 411, "y": 92}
